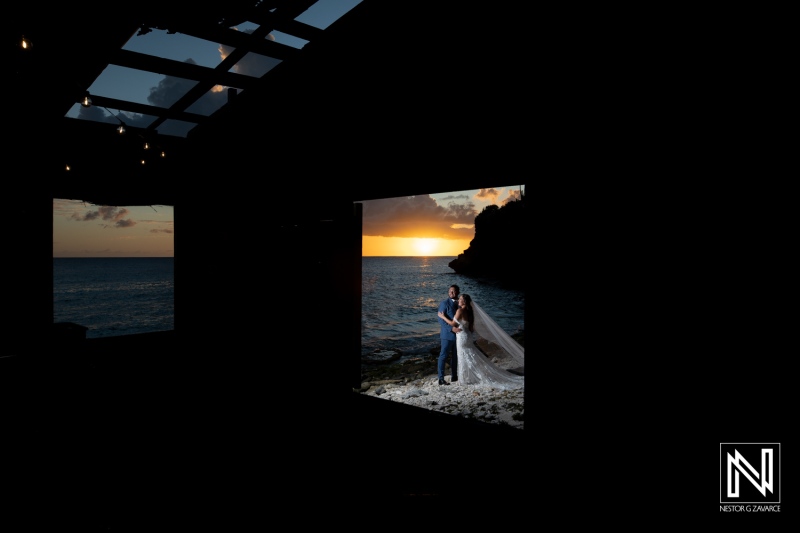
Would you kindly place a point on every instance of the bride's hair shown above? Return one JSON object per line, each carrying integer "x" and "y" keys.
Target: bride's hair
{"x": 468, "y": 314}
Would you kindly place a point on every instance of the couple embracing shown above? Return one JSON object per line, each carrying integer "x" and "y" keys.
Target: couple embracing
{"x": 447, "y": 312}
{"x": 460, "y": 319}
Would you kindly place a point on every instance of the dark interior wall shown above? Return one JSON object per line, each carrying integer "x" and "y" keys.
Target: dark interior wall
{"x": 267, "y": 268}
{"x": 390, "y": 103}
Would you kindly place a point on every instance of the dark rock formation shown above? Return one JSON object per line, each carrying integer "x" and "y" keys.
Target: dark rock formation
{"x": 381, "y": 356}
{"x": 497, "y": 250}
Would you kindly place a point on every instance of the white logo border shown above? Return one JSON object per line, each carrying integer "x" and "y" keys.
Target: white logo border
{"x": 780, "y": 473}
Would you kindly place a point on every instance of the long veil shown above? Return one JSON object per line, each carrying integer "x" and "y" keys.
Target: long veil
{"x": 488, "y": 329}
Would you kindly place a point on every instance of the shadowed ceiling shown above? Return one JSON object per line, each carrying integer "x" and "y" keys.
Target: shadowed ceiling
{"x": 383, "y": 91}
{"x": 73, "y": 44}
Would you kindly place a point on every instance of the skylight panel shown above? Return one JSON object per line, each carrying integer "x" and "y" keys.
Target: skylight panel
{"x": 211, "y": 101}
{"x": 175, "y": 46}
{"x": 289, "y": 40}
{"x": 256, "y": 65}
{"x": 110, "y": 116}
{"x": 325, "y": 12}
{"x": 178, "y": 128}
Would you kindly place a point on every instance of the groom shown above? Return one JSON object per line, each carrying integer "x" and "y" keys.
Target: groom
{"x": 448, "y": 306}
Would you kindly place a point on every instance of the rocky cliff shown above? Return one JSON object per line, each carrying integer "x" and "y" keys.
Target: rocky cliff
{"x": 497, "y": 250}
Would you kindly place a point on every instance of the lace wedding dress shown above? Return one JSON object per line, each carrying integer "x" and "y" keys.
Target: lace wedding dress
{"x": 476, "y": 369}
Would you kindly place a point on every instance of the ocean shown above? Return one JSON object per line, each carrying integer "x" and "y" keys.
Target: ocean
{"x": 115, "y": 296}
{"x": 400, "y": 297}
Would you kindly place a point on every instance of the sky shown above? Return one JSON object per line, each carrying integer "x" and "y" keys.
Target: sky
{"x": 163, "y": 91}
{"x": 88, "y": 230}
{"x": 422, "y": 225}
{"x": 427, "y": 225}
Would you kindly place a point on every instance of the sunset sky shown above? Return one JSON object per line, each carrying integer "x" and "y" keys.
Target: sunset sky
{"x": 423, "y": 225}
{"x": 427, "y": 225}
{"x": 87, "y": 230}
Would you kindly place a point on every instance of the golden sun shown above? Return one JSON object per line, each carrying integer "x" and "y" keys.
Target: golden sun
{"x": 425, "y": 246}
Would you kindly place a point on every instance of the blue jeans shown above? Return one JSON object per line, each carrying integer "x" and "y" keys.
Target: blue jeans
{"x": 448, "y": 350}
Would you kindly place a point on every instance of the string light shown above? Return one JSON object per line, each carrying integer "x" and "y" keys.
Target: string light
{"x": 146, "y": 145}
{"x": 121, "y": 128}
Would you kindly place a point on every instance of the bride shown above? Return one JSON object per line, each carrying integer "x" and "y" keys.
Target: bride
{"x": 474, "y": 368}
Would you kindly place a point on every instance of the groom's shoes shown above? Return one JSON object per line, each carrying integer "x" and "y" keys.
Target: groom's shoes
{"x": 443, "y": 382}
{"x": 453, "y": 379}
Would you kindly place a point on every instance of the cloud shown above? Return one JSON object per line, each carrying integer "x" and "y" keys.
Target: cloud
{"x": 170, "y": 89}
{"x": 488, "y": 195}
{"x": 513, "y": 196}
{"x": 112, "y": 212}
{"x": 96, "y": 114}
{"x": 418, "y": 216}
{"x": 427, "y": 217}
{"x": 108, "y": 214}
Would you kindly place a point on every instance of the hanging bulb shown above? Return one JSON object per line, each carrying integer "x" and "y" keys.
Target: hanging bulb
{"x": 146, "y": 146}
{"x": 143, "y": 161}
{"x": 163, "y": 153}
{"x": 68, "y": 169}
{"x": 25, "y": 43}
{"x": 121, "y": 129}
{"x": 87, "y": 101}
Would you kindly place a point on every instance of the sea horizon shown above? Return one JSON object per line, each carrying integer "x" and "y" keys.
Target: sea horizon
{"x": 115, "y": 257}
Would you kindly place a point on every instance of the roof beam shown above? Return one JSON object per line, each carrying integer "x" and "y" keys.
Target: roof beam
{"x": 179, "y": 69}
{"x": 144, "y": 109}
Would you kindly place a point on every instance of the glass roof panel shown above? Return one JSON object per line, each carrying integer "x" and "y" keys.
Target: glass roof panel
{"x": 178, "y": 128}
{"x": 325, "y": 12}
{"x": 255, "y": 65}
{"x": 101, "y": 114}
{"x": 289, "y": 40}
{"x": 246, "y": 27}
{"x": 140, "y": 86}
{"x": 159, "y": 90}
{"x": 211, "y": 101}
{"x": 175, "y": 46}
{"x": 169, "y": 90}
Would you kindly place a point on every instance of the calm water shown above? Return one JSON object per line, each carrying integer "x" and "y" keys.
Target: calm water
{"x": 115, "y": 296}
{"x": 400, "y": 297}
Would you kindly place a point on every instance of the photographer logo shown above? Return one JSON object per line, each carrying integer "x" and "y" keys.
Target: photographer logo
{"x": 750, "y": 473}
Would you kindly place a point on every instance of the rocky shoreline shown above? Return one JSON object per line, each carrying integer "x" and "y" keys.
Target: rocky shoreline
{"x": 414, "y": 382}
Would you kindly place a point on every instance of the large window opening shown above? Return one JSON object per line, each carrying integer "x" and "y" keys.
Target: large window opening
{"x": 408, "y": 248}
{"x": 113, "y": 268}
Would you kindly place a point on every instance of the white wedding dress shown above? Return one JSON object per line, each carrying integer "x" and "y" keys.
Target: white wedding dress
{"x": 474, "y": 368}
